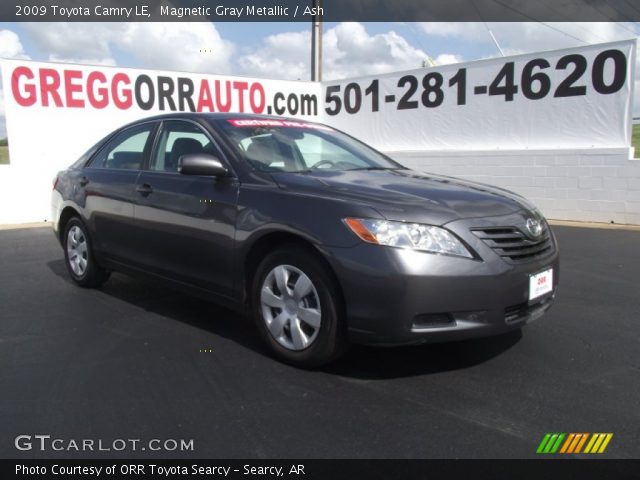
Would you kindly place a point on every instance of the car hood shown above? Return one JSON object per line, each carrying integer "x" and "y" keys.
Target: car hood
{"x": 407, "y": 195}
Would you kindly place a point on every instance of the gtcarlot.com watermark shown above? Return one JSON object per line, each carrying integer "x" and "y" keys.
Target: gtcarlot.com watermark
{"x": 45, "y": 443}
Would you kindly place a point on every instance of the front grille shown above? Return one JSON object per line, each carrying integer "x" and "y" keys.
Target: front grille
{"x": 513, "y": 245}
{"x": 522, "y": 311}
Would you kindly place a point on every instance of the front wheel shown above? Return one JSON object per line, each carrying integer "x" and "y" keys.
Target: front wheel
{"x": 297, "y": 308}
{"x": 78, "y": 255}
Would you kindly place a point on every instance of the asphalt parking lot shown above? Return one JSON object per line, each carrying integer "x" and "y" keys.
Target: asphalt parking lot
{"x": 129, "y": 362}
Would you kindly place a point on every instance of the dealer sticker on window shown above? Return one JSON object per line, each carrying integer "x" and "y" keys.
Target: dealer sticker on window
{"x": 540, "y": 283}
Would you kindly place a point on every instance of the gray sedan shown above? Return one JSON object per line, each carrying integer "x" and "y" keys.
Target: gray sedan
{"x": 319, "y": 237}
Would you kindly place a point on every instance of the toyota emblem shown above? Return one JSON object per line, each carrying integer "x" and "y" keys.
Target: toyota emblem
{"x": 534, "y": 227}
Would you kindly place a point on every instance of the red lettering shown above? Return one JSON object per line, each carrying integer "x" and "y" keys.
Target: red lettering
{"x": 223, "y": 107}
{"x": 49, "y": 85}
{"x": 257, "y": 105}
{"x": 122, "y": 98}
{"x": 70, "y": 88}
{"x": 29, "y": 89}
{"x": 240, "y": 87}
{"x": 204, "y": 98}
{"x": 98, "y": 98}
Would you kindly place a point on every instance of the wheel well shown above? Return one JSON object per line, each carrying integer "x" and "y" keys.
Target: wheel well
{"x": 65, "y": 216}
{"x": 270, "y": 242}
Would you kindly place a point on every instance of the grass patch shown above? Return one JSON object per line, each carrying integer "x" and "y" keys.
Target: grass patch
{"x": 4, "y": 155}
{"x": 4, "y": 142}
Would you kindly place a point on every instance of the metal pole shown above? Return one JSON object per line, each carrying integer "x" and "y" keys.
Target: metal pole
{"x": 316, "y": 43}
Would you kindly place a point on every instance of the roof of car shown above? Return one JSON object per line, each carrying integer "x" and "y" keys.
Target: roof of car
{"x": 213, "y": 116}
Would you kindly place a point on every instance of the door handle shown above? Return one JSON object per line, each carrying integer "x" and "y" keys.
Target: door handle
{"x": 144, "y": 189}
{"x": 83, "y": 181}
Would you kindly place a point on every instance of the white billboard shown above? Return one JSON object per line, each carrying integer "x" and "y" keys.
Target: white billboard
{"x": 565, "y": 99}
{"x": 571, "y": 98}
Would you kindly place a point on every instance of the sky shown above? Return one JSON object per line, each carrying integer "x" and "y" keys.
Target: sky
{"x": 281, "y": 50}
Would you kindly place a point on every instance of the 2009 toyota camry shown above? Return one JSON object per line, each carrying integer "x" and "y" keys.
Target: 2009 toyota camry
{"x": 323, "y": 239}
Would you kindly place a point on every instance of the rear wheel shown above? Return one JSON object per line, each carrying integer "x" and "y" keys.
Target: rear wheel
{"x": 78, "y": 254}
{"x": 297, "y": 307}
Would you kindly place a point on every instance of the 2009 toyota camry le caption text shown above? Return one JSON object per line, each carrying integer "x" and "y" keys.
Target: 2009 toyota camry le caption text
{"x": 322, "y": 239}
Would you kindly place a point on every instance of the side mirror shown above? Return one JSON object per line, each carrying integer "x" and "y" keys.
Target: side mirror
{"x": 201, "y": 164}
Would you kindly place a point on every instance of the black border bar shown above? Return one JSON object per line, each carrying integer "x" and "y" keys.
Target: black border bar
{"x": 542, "y": 469}
{"x": 333, "y": 10}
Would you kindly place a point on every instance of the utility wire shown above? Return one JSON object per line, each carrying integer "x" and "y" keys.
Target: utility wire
{"x": 577, "y": 24}
{"x": 619, "y": 24}
{"x": 538, "y": 21}
{"x": 631, "y": 5}
{"x": 627, "y": 29}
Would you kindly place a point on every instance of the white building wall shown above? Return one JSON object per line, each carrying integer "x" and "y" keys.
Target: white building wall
{"x": 593, "y": 185}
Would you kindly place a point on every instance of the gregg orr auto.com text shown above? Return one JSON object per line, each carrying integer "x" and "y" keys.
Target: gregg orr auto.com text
{"x": 76, "y": 88}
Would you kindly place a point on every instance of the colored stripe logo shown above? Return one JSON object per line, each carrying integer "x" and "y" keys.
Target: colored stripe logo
{"x": 569, "y": 443}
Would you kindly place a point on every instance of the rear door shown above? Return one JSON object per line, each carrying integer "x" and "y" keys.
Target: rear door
{"x": 186, "y": 222}
{"x": 109, "y": 190}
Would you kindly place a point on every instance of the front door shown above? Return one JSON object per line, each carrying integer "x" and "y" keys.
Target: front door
{"x": 186, "y": 223}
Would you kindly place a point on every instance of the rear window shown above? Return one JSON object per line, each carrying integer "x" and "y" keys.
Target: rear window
{"x": 126, "y": 150}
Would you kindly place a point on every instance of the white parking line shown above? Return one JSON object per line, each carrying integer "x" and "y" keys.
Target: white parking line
{"x": 14, "y": 226}
{"x": 606, "y": 226}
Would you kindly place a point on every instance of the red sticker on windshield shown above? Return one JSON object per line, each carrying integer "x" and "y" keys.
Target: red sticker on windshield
{"x": 254, "y": 122}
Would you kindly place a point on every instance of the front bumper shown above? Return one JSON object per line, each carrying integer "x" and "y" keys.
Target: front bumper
{"x": 397, "y": 296}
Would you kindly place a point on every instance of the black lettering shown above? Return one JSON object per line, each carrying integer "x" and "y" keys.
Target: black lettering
{"x": 308, "y": 104}
{"x": 292, "y": 104}
{"x": 405, "y": 102}
{"x": 144, "y": 80}
{"x": 333, "y": 97}
{"x": 165, "y": 92}
{"x": 432, "y": 84}
{"x": 185, "y": 94}
{"x": 352, "y": 102}
{"x": 529, "y": 78}
{"x": 509, "y": 89}
{"x": 278, "y": 97}
{"x": 619, "y": 71}
{"x": 567, "y": 87}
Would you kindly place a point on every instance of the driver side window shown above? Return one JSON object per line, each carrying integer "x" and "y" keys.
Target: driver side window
{"x": 179, "y": 138}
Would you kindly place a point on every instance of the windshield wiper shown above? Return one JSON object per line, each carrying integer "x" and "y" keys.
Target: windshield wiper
{"x": 373, "y": 168}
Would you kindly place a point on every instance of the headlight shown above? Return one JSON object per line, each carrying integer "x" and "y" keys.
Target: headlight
{"x": 415, "y": 236}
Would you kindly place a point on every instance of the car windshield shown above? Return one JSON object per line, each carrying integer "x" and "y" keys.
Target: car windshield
{"x": 297, "y": 146}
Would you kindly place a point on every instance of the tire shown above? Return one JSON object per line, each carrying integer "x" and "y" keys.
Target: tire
{"x": 304, "y": 326}
{"x": 78, "y": 255}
